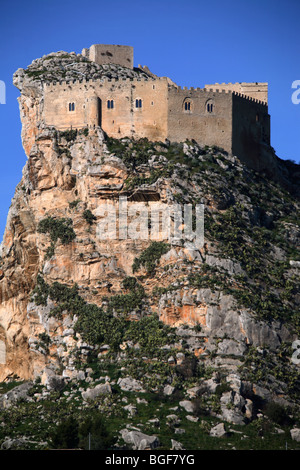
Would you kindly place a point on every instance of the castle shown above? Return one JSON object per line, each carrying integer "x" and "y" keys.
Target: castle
{"x": 232, "y": 116}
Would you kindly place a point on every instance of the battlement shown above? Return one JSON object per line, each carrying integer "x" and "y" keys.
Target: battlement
{"x": 256, "y": 90}
{"x": 221, "y": 91}
{"x": 89, "y": 81}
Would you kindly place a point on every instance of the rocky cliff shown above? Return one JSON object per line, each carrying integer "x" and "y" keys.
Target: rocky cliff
{"x": 215, "y": 323}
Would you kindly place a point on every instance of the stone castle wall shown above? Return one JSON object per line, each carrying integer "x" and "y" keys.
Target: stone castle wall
{"x": 110, "y": 104}
{"x": 233, "y": 116}
{"x": 250, "y": 129}
{"x": 234, "y": 122}
{"x": 208, "y": 127}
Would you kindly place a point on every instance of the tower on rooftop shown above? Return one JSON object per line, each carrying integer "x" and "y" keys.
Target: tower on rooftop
{"x": 110, "y": 54}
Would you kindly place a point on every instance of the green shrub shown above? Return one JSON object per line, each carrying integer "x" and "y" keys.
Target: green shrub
{"x": 57, "y": 229}
{"x": 69, "y": 134}
{"x": 130, "y": 283}
{"x": 277, "y": 413}
{"x": 126, "y": 303}
{"x": 74, "y": 204}
{"x": 150, "y": 257}
{"x": 188, "y": 368}
{"x": 89, "y": 216}
{"x": 150, "y": 333}
{"x": 94, "y": 435}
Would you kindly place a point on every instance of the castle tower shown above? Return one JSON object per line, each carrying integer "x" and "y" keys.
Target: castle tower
{"x": 110, "y": 54}
{"x": 94, "y": 111}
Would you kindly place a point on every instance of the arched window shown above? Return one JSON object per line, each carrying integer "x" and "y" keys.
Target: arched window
{"x": 187, "y": 105}
{"x": 138, "y": 103}
{"x": 71, "y": 106}
{"x": 210, "y": 106}
{"x": 110, "y": 104}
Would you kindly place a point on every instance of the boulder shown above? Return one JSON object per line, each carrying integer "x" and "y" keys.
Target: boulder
{"x": 232, "y": 404}
{"x": 230, "y": 347}
{"x": 173, "y": 420}
{"x": 218, "y": 431}
{"x": 128, "y": 384}
{"x": 139, "y": 440}
{"x": 93, "y": 393}
{"x": 20, "y": 443}
{"x": 168, "y": 390}
{"x": 193, "y": 392}
{"x": 233, "y": 416}
{"x": 17, "y": 393}
{"x": 131, "y": 409}
{"x": 187, "y": 405}
{"x": 295, "y": 434}
{"x": 175, "y": 445}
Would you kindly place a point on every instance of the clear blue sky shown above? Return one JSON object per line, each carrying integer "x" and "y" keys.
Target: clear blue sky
{"x": 194, "y": 42}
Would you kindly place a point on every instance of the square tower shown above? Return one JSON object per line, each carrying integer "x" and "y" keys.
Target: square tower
{"x": 110, "y": 54}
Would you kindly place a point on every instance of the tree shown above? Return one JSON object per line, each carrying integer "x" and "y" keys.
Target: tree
{"x": 94, "y": 434}
{"x": 65, "y": 435}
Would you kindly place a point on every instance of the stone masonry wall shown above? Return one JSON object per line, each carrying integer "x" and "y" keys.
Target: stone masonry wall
{"x": 250, "y": 129}
{"x": 122, "y": 118}
{"x": 224, "y": 118}
{"x": 209, "y": 128}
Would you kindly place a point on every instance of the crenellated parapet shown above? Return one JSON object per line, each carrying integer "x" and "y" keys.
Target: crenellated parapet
{"x": 256, "y": 90}
{"x": 53, "y": 84}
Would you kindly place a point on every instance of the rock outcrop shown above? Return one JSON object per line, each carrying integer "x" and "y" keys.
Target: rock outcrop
{"x": 232, "y": 304}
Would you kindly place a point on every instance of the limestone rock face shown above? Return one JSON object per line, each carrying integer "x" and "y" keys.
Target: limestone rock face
{"x": 208, "y": 293}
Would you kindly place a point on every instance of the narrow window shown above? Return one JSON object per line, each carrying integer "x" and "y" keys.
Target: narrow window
{"x": 209, "y": 107}
{"x": 138, "y": 103}
{"x": 71, "y": 106}
{"x": 187, "y": 105}
{"x": 110, "y": 104}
